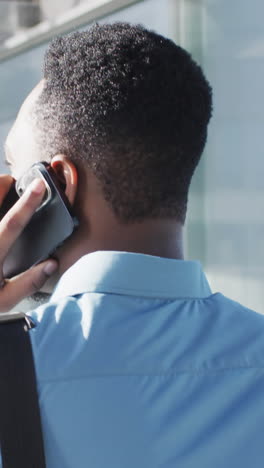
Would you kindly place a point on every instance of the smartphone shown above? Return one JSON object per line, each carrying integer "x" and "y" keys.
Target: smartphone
{"x": 51, "y": 224}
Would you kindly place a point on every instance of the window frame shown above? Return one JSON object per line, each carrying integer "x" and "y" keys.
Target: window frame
{"x": 73, "y": 19}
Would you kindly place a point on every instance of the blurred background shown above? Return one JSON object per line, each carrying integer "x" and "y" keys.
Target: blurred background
{"x": 225, "y": 225}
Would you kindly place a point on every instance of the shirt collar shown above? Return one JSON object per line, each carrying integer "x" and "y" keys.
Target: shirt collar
{"x": 134, "y": 275}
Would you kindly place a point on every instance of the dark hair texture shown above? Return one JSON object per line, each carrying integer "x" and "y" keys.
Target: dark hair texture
{"x": 135, "y": 107}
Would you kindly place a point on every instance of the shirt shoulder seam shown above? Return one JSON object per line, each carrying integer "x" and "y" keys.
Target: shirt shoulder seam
{"x": 151, "y": 374}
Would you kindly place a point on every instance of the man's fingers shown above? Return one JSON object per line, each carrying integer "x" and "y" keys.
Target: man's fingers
{"x": 25, "y": 284}
{"x": 18, "y": 216}
{"x": 5, "y": 184}
{"x": 15, "y": 220}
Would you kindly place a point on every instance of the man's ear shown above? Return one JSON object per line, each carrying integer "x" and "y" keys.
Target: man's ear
{"x": 66, "y": 173}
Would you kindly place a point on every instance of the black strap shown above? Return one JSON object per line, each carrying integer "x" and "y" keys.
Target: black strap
{"x": 20, "y": 425}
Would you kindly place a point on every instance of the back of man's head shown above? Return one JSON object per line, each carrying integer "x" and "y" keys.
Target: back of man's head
{"x": 135, "y": 107}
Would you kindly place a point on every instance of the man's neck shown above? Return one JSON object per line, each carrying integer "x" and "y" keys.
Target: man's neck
{"x": 161, "y": 238}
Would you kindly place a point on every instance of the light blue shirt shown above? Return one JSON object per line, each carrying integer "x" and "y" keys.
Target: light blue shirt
{"x": 139, "y": 365}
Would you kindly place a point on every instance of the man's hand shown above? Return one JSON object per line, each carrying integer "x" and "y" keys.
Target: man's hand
{"x": 17, "y": 288}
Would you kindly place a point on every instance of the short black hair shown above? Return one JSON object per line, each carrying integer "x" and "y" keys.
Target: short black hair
{"x": 135, "y": 107}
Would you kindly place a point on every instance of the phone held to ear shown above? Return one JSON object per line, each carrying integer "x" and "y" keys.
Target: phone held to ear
{"x": 51, "y": 224}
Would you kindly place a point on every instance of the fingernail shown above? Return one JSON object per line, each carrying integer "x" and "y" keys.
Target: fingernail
{"x": 50, "y": 268}
{"x": 37, "y": 186}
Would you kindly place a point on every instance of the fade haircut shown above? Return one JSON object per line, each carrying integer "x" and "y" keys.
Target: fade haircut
{"x": 134, "y": 107}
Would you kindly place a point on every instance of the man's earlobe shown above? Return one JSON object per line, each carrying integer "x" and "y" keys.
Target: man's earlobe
{"x": 67, "y": 174}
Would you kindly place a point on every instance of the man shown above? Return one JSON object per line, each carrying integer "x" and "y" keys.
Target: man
{"x": 138, "y": 363}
